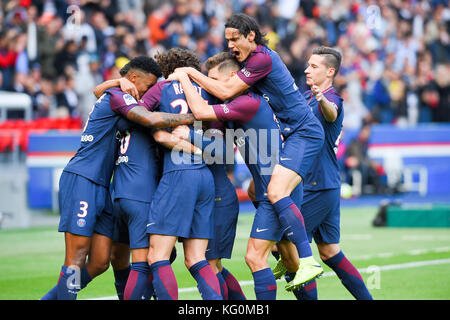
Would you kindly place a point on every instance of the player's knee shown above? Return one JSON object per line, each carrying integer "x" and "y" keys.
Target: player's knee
{"x": 253, "y": 261}
{"x": 102, "y": 267}
{"x": 274, "y": 194}
{"x": 151, "y": 257}
{"x": 190, "y": 260}
{"x": 327, "y": 251}
{"x": 96, "y": 268}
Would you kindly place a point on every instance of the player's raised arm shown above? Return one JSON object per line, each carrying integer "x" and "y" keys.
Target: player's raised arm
{"x": 125, "y": 85}
{"x": 142, "y": 116}
{"x": 199, "y": 107}
{"x": 222, "y": 90}
{"x": 329, "y": 109}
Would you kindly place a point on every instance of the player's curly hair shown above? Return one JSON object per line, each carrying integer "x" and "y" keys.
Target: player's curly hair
{"x": 142, "y": 63}
{"x": 177, "y": 58}
{"x": 224, "y": 60}
{"x": 245, "y": 24}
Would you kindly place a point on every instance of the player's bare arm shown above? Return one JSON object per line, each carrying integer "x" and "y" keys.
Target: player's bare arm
{"x": 222, "y": 90}
{"x": 125, "y": 85}
{"x": 173, "y": 142}
{"x": 198, "y": 106}
{"x": 141, "y": 115}
{"x": 329, "y": 109}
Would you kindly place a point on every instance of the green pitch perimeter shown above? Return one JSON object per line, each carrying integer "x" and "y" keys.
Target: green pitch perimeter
{"x": 396, "y": 263}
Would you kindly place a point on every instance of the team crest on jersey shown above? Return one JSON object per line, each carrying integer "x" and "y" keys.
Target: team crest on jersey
{"x": 129, "y": 99}
{"x": 81, "y": 223}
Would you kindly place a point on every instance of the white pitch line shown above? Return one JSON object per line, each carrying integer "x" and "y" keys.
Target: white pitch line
{"x": 391, "y": 254}
{"x": 407, "y": 265}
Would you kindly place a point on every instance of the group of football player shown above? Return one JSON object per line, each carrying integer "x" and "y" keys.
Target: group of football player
{"x": 144, "y": 136}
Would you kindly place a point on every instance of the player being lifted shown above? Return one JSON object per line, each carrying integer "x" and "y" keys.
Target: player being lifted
{"x": 264, "y": 72}
{"x": 258, "y": 138}
{"x": 321, "y": 201}
{"x": 84, "y": 199}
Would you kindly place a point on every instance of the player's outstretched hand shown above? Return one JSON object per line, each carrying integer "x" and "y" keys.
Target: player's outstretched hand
{"x": 128, "y": 87}
{"x": 317, "y": 92}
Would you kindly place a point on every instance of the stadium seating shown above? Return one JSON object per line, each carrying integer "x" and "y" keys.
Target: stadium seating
{"x": 14, "y": 133}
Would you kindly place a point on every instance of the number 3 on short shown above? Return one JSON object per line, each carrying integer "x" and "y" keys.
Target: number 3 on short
{"x": 83, "y": 208}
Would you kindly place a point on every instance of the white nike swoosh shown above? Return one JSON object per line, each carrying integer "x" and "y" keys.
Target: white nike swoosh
{"x": 261, "y": 230}
{"x": 284, "y": 159}
{"x": 150, "y": 224}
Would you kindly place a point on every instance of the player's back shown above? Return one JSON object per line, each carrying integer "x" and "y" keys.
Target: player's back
{"x": 324, "y": 173}
{"x": 173, "y": 100}
{"x": 257, "y": 136}
{"x": 137, "y": 166}
{"x": 225, "y": 192}
{"x": 95, "y": 158}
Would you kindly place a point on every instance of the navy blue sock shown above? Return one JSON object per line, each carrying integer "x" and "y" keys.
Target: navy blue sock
{"x": 349, "y": 275}
{"x": 85, "y": 278}
{"x": 53, "y": 293}
{"x": 207, "y": 282}
{"x": 292, "y": 221}
{"x": 223, "y": 286}
{"x": 68, "y": 284}
{"x": 234, "y": 288}
{"x": 265, "y": 284}
{"x": 137, "y": 281}
{"x": 149, "y": 291}
{"x": 306, "y": 292}
{"x": 121, "y": 277}
{"x": 164, "y": 281}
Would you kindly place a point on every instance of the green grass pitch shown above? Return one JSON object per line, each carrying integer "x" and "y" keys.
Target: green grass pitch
{"x": 396, "y": 263}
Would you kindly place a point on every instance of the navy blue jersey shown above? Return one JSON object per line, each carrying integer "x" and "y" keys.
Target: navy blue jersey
{"x": 268, "y": 76}
{"x": 169, "y": 97}
{"x": 96, "y": 156}
{"x": 257, "y": 136}
{"x": 137, "y": 167}
{"x": 324, "y": 174}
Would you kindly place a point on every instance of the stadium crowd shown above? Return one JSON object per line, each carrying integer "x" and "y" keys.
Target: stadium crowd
{"x": 396, "y": 53}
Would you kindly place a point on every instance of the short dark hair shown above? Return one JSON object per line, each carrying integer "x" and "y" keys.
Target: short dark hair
{"x": 223, "y": 60}
{"x": 333, "y": 57}
{"x": 245, "y": 24}
{"x": 144, "y": 64}
{"x": 177, "y": 58}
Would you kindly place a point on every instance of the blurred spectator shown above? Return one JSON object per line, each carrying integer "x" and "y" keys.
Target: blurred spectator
{"x": 50, "y": 43}
{"x": 45, "y": 101}
{"x": 356, "y": 158}
{"x": 8, "y": 57}
{"x": 395, "y": 53}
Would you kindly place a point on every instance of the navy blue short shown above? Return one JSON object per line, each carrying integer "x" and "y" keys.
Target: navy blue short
{"x": 130, "y": 222}
{"x": 183, "y": 205}
{"x": 321, "y": 212}
{"x": 85, "y": 206}
{"x": 225, "y": 221}
{"x": 266, "y": 225}
{"x": 300, "y": 149}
